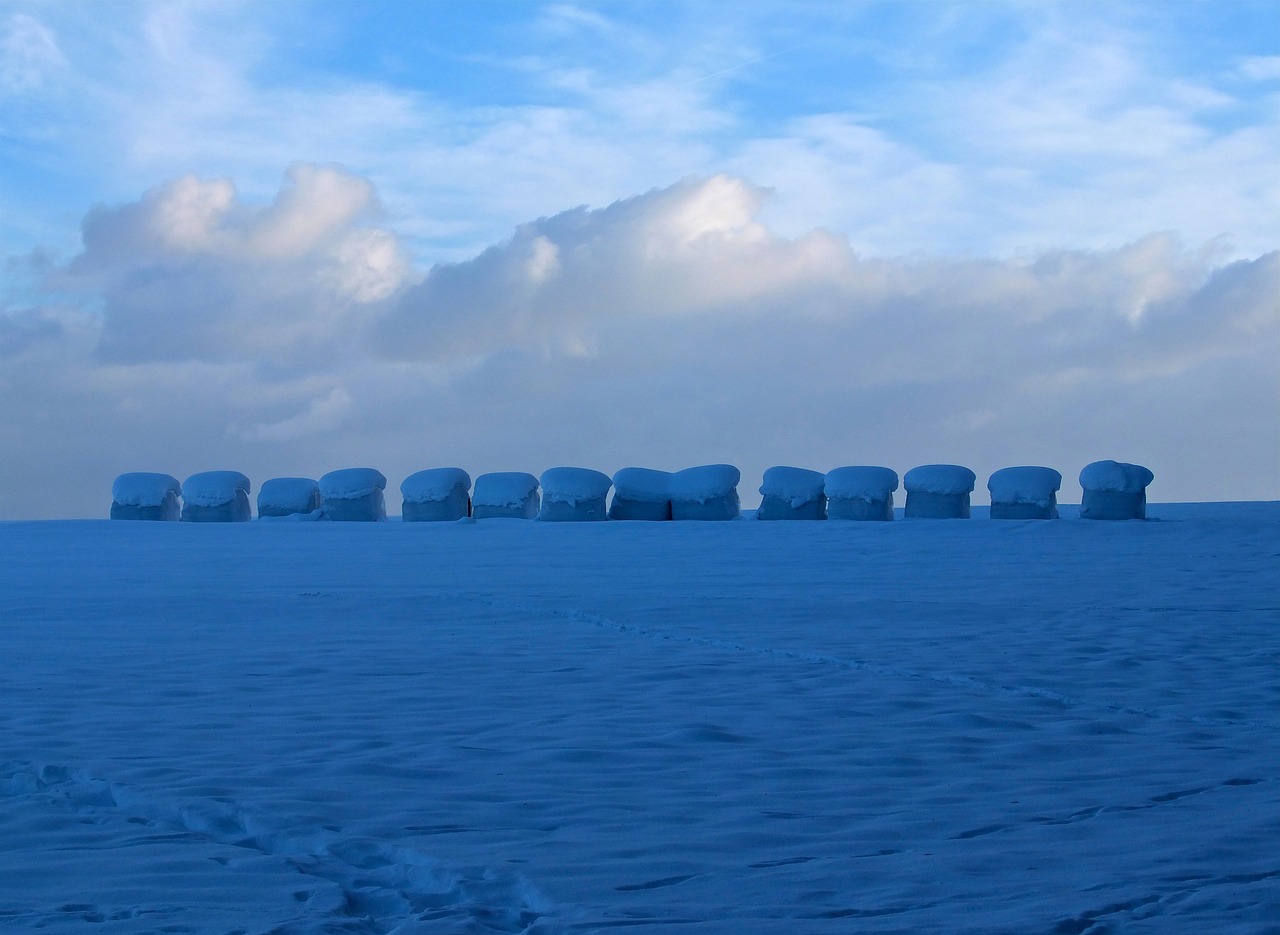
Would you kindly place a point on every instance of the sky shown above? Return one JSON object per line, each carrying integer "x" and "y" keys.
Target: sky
{"x": 285, "y": 238}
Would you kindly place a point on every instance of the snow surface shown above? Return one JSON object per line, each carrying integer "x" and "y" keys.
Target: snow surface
{"x": 1037, "y": 485}
{"x": 143, "y": 488}
{"x": 941, "y": 479}
{"x": 860, "y": 483}
{"x": 703, "y": 483}
{"x": 434, "y": 484}
{"x": 572, "y": 485}
{"x": 503, "y": 488}
{"x": 643, "y": 485}
{"x": 288, "y": 494}
{"x": 351, "y": 483}
{"x": 992, "y": 727}
{"x": 214, "y": 488}
{"x": 1115, "y": 476}
{"x": 797, "y": 486}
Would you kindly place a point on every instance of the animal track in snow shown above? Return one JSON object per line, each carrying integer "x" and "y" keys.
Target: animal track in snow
{"x": 380, "y": 885}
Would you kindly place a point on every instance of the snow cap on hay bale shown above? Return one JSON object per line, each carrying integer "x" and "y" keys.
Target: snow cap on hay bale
{"x": 1114, "y": 490}
{"x": 353, "y": 495}
{"x": 792, "y": 493}
{"x": 1024, "y": 493}
{"x": 436, "y": 495}
{"x": 641, "y": 493}
{"x": 938, "y": 491}
{"x": 505, "y": 495}
{"x": 573, "y": 494}
{"x": 708, "y": 492}
{"x": 288, "y": 496}
{"x": 860, "y": 492}
{"x": 216, "y": 497}
{"x": 147, "y": 496}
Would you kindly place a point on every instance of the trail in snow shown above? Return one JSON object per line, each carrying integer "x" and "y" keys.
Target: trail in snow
{"x": 956, "y": 727}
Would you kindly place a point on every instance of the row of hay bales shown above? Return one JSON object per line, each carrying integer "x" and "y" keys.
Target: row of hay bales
{"x": 1112, "y": 490}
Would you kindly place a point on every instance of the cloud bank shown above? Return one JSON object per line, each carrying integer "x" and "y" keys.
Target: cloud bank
{"x": 196, "y": 330}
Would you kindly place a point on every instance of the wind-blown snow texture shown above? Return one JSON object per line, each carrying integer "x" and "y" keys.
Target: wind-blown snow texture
{"x": 1023, "y": 727}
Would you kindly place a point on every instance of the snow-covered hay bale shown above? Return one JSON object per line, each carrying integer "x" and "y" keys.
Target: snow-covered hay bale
{"x": 641, "y": 493}
{"x": 144, "y": 495}
{"x": 353, "y": 495}
{"x": 860, "y": 492}
{"x": 1024, "y": 493}
{"x": 573, "y": 495}
{"x": 436, "y": 495}
{"x": 216, "y": 497}
{"x": 708, "y": 492}
{"x": 792, "y": 493}
{"x": 938, "y": 491}
{"x": 1114, "y": 490}
{"x": 505, "y": 495}
{"x": 288, "y": 496}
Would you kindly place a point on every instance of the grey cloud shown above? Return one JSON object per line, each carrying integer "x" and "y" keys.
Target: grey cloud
{"x": 22, "y": 331}
{"x": 46, "y": 332}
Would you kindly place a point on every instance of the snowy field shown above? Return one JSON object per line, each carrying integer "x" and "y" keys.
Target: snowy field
{"x": 746, "y": 727}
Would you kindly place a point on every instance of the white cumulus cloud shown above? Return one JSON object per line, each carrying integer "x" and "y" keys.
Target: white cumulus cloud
{"x": 191, "y": 272}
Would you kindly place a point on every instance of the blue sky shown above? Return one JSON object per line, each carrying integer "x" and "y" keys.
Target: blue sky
{"x": 286, "y": 179}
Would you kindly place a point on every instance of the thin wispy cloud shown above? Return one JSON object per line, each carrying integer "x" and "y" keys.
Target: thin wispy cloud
{"x": 29, "y": 53}
{"x": 1066, "y": 129}
{"x": 1261, "y": 67}
{"x": 747, "y": 64}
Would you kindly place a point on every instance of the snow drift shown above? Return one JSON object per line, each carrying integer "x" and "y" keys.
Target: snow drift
{"x": 961, "y": 728}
